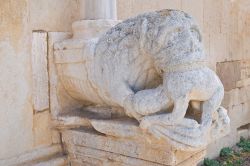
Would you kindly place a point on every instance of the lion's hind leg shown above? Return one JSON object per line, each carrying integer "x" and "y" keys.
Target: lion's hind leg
{"x": 146, "y": 102}
{"x": 169, "y": 119}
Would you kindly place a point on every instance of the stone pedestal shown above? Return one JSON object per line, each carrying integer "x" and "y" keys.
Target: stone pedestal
{"x": 85, "y": 146}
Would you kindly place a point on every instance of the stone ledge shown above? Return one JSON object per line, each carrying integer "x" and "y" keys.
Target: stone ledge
{"x": 58, "y": 160}
{"x": 30, "y": 158}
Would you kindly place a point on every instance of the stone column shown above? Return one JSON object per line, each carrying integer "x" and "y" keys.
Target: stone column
{"x": 96, "y": 17}
{"x": 98, "y": 9}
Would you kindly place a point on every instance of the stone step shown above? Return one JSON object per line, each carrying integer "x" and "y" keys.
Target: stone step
{"x": 52, "y": 153}
{"x": 59, "y": 160}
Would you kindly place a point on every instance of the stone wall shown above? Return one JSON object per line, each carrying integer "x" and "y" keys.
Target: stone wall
{"x": 22, "y": 128}
{"x": 16, "y": 109}
{"x": 226, "y": 34}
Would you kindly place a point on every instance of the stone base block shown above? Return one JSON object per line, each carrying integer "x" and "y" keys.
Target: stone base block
{"x": 88, "y": 147}
{"x": 44, "y": 156}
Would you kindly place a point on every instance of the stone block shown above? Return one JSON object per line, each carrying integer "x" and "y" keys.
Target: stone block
{"x": 62, "y": 12}
{"x": 40, "y": 71}
{"x": 55, "y": 161}
{"x": 235, "y": 97}
{"x": 218, "y": 48}
{"x": 245, "y": 69}
{"x": 56, "y": 137}
{"x": 243, "y": 95}
{"x": 193, "y": 160}
{"x": 227, "y": 100}
{"x": 88, "y": 146}
{"x": 239, "y": 115}
{"x": 99, "y": 157}
{"x": 247, "y": 90}
{"x": 235, "y": 113}
{"x": 195, "y": 10}
{"x": 33, "y": 156}
{"x": 88, "y": 156}
{"x": 212, "y": 16}
{"x": 229, "y": 73}
{"x": 243, "y": 83}
{"x": 128, "y": 8}
{"x": 243, "y": 131}
{"x": 42, "y": 134}
{"x": 62, "y": 102}
{"x": 245, "y": 113}
{"x": 226, "y": 8}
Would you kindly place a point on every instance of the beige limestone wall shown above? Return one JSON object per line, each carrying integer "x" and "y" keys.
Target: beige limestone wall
{"x": 226, "y": 30}
{"x": 15, "y": 79}
{"x": 22, "y": 129}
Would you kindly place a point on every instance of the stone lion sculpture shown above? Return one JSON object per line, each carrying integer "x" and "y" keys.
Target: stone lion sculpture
{"x": 148, "y": 64}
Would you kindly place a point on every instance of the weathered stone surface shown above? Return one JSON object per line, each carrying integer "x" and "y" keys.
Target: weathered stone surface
{"x": 59, "y": 99}
{"x": 33, "y": 156}
{"x": 129, "y": 128}
{"x": 40, "y": 71}
{"x": 168, "y": 43}
{"x": 19, "y": 18}
{"x": 56, "y": 161}
{"x": 98, "y": 9}
{"x": 193, "y": 160}
{"x": 53, "y": 16}
{"x": 229, "y": 73}
{"x": 16, "y": 112}
{"x": 239, "y": 115}
{"x": 88, "y": 156}
{"x": 83, "y": 155}
{"x": 234, "y": 74}
{"x": 236, "y": 96}
{"x": 124, "y": 128}
{"x": 86, "y": 145}
{"x": 41, "y": 127}
{"x": 83, "y": 116}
